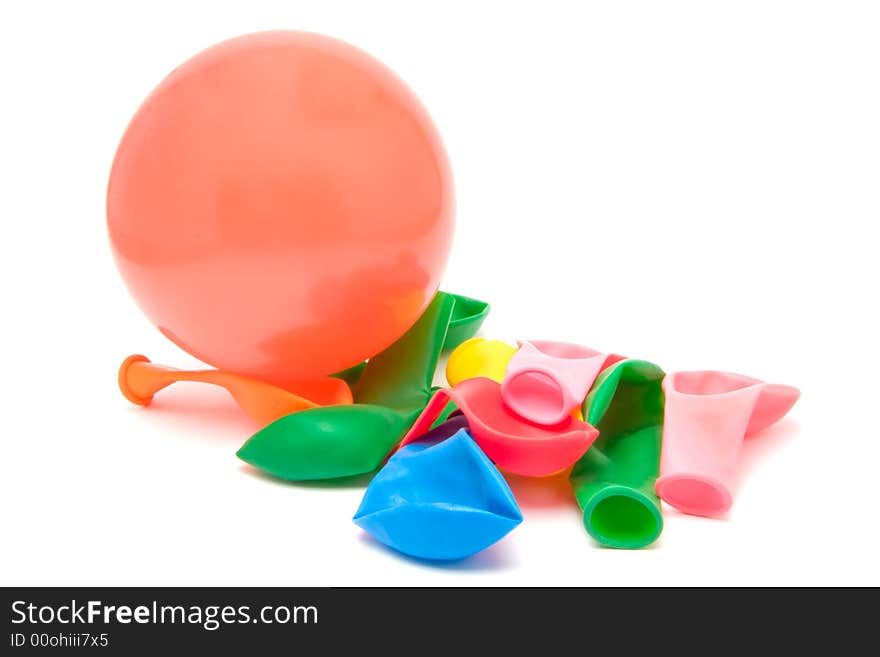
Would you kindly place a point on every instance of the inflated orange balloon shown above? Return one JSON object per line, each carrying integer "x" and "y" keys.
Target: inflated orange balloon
{"x": 281, "y": 206}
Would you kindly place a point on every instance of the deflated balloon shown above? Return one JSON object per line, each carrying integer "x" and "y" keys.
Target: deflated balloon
{"x": 340, "y": 441}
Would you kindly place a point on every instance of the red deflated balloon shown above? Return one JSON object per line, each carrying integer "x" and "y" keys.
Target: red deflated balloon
{"x": 281, "y": 206}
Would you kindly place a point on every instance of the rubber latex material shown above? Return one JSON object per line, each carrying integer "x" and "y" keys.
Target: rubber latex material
{"x": 281, "y": 206}
{"x": 708, "y": 414}
{"x": 512, "y": 443}
{"x": 467, "y": 318}
{"x": 401, "y": 377}
{"x": 439, "y": 499}
{"x": 352, "y": 374}
{"x": 139, "y": 380}
{"x": 341, "y": 441}
{"x": 545, "y": 380}
{"x": 479, "y": 357}
{"x": 614, "y": 481}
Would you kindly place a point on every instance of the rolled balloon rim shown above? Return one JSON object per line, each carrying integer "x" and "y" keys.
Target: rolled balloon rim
{"x": 719, "y": 497}
{"x": 618, "y": 539}
{"x": 122, "y": 379}
{"x": 562, "y": 400}
{"x": 547, "y": 379}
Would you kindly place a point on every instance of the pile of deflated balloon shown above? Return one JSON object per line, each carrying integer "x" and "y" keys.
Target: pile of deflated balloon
{"x": 629, "y": 434}
{"x": 281, "y": 206}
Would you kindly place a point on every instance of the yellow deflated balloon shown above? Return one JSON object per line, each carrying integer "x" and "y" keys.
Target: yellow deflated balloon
{"x": 479, "y": 357}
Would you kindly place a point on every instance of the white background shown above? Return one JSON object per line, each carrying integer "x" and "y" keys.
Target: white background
{"x": 695, "y": 183}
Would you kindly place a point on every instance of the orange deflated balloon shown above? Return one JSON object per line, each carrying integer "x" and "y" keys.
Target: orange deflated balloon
{"x": 281, "y": 206}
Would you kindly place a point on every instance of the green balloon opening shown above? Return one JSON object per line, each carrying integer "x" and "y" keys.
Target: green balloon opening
{"x": 623, "y": 521}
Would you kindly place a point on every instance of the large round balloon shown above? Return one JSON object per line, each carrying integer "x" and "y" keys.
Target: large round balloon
{"x": 281, "y": 206}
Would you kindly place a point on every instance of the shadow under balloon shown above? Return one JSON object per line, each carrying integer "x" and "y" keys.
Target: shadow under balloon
{"x": 498, "y": 557}
{"x": 756, "y": 447}
{"x": 201, "y": 411}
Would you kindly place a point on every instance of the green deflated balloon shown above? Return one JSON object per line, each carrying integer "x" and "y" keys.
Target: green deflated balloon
{"x": 341, "y": 441}
{"x": 614, "y": 481}
{"x": 468, "y": 316}
{"x": 328, "y": 442}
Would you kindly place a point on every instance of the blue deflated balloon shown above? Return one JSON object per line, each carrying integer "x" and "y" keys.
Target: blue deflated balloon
{"x": 439, "y": 498}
